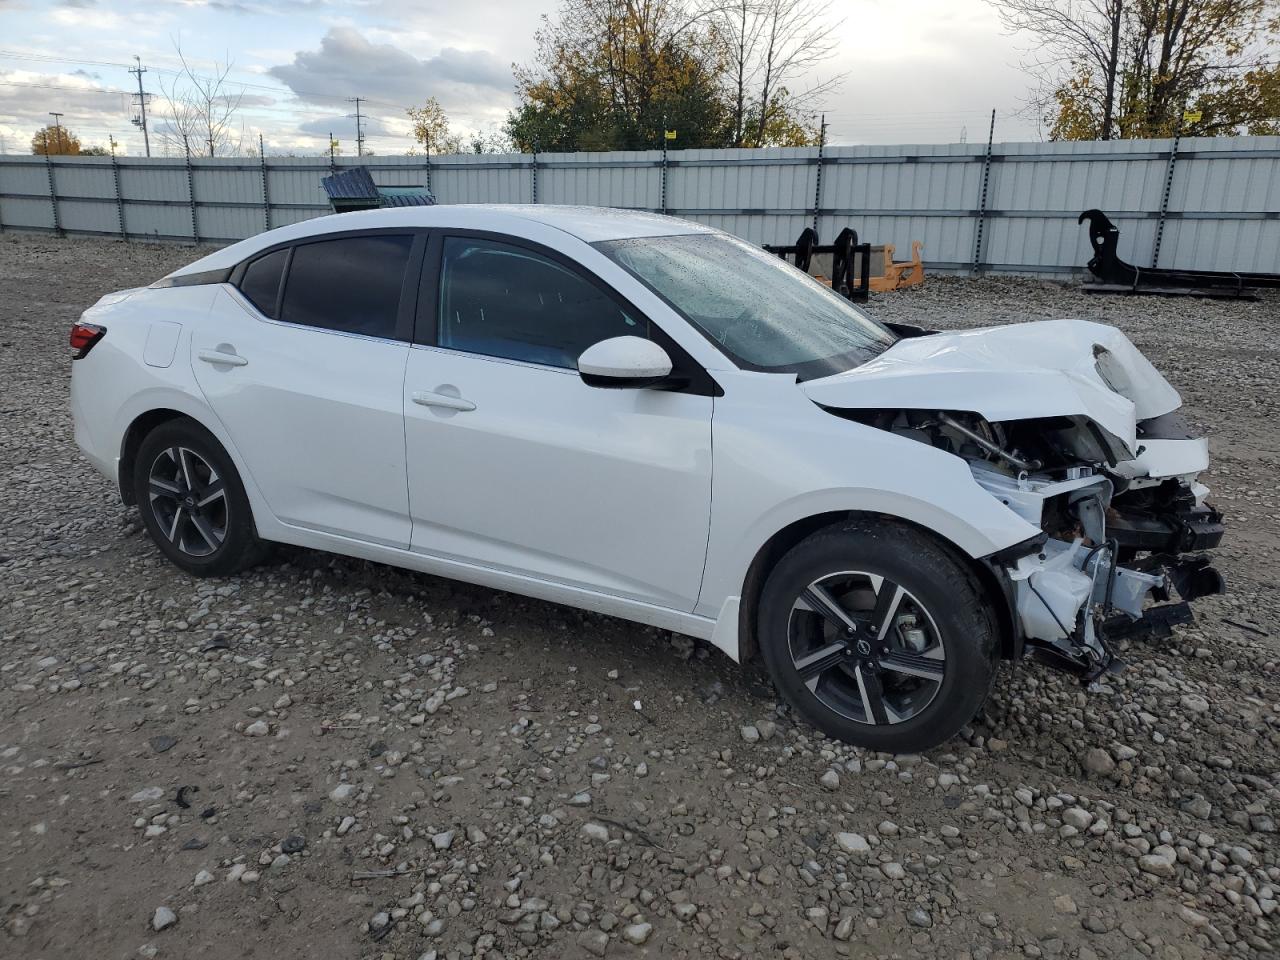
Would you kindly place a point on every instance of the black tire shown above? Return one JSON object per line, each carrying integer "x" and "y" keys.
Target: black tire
{"x": 938, "y": 623}
{"x": 193, "y": 503}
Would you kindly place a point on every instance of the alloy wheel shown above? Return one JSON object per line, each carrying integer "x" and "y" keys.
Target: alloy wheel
{"x": 188, "y": 500}
{"x": 866, "y": 647}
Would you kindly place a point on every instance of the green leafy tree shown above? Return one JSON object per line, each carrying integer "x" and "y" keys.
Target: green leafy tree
{"x": 616, "y": 74}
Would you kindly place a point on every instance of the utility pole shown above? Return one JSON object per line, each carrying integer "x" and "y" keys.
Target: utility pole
{"x": 141, "y": 120}
{"x": 359, "y": 129}
{"x": 57, "y": 125}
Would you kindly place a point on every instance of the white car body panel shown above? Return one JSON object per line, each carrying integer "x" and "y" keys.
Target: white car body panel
{"x": 1017, "y": 372}
{"x": 814, "y": 463}
{"x": 606, "y": 490}
{"x": 646, "y": 504}
{"x": 317, "y": 413}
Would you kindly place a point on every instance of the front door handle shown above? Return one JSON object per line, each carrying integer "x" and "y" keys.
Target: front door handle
{"x": 226, "y": 359}
{"x": 427, "y": 399}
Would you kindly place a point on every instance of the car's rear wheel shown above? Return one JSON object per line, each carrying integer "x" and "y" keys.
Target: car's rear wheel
{"x": 192, "y": 501}
{"x": 878, "y": 636}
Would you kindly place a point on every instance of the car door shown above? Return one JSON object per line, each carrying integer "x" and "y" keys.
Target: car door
{"x": 516, "y": 464}
{"x": 303, "y": 361}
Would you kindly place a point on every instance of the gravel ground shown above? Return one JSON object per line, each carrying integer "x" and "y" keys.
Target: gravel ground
{"x": 330, "y": 758}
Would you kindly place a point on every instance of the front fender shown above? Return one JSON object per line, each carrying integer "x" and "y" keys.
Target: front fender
{"x": 781, "y": 459}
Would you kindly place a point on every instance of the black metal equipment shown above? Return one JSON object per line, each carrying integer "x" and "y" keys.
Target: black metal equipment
{"x": 844, "y": 253}
{"x": 1117, "y": 276}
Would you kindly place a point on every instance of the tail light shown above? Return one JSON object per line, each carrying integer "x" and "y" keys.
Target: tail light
{"x": 83, "y": 338}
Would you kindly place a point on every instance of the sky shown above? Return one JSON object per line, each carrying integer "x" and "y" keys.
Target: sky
{"x": 918, "y": 71}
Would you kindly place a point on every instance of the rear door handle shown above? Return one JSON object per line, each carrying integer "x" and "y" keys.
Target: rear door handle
{"x": 226, "y": 359}
{"x": 427, "y": 399}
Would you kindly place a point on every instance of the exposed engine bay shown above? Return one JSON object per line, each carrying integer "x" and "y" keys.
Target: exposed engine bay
{"x": 1118, "y": 527}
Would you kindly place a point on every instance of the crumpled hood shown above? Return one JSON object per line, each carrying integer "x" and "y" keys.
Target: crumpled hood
{"x": 1022, "y": 371}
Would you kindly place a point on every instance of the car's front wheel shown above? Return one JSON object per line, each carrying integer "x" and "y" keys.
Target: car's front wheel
{"x": 192, "y": 501}
{"x": 878, "y": 636}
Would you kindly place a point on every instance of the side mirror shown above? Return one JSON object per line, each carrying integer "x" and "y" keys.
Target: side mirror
{"x": 621, "y": 362}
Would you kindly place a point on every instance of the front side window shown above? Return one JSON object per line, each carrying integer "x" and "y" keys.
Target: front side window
{"x": 350, "y": 284}
{"x": 763, "y": 313}
{"x": 502, "y": 300}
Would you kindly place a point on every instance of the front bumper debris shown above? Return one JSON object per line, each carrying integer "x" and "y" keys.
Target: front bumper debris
{"x": 1073, "y": 601}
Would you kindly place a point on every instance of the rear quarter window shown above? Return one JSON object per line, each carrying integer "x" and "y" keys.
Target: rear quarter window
{"x": 260, "y": 284}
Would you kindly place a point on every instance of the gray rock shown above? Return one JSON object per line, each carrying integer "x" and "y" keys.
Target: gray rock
{"x": 595, "y": 942}
{"x": 1077, "y": 817}
{"x": 442, "y": 841}
{"x": 919, "y": 917}
{"x": 854, "y": 843}
{"x": 1198, "y": 807}
{"x": 163, "y": 918}
{"x": 637, "y": 933}
{"x": 1194, "y": 703}
{"x": 1098, "y": 762}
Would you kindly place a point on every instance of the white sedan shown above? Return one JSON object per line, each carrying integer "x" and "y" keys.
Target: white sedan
{"x": 652, "y": 419}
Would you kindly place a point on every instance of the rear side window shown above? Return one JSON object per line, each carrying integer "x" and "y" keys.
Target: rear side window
{"x": 261, "y": 281}
{"x": 351, "y": 284}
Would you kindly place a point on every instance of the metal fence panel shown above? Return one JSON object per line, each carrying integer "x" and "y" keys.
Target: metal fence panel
{"x": 1214, "y": 205}
{"x": 482, "y": 178}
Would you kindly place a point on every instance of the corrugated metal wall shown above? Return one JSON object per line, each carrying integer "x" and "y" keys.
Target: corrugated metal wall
{"x": 1195, "y": 203}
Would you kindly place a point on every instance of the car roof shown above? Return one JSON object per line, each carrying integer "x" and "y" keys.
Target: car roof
{"x": 589, "y": 224}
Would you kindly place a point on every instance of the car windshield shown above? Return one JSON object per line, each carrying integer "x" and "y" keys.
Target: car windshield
{"x": 761, "y": 311}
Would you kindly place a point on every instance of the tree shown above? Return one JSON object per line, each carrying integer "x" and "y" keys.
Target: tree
{"x": 767, "y": 46}
{"x": 1132, "y": 68}
{"x": 494, "y": 141}
{"x": 97, "y": 150}
{"x": 615, "y": 74}
{"x": 201, "y": 111}
{"x": 431, "y": 128}
{"x": 1081, "y": 38}
{"x": 55, "y": 140}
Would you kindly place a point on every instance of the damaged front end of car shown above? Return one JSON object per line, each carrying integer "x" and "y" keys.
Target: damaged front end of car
{"x": 1113, "y": 535}
{"x": 1112, "y": 482}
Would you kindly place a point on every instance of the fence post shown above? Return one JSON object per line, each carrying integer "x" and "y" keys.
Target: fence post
{"x": 982, "y": 199}
{"x": 427, "y": 168}
{"x": 53, "y": 194}
{"x": 266, "y": 195}
{"x": 664, "y": 165}
{"x": 115, "y": 176}
{"x": 817, "y": 188}
{"x": 1, "y": 205}
{"x": 1164, "y": 200}
{"x": 535, "y": 171}
{"x": 333, "y": 160}
{"x": 191, "y": 193}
